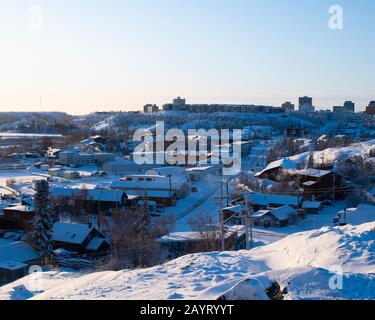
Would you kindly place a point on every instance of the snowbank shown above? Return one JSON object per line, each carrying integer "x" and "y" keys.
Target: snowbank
{"x": 302, "y": 262}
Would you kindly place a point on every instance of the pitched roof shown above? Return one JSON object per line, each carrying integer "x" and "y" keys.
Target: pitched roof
{"x": 284, "y": 212}
{"x": 282, "y": 163}
{"x": 261, "y": 213}
{"x": 311, "y": 205}
{"x": 12, "y": 265}
{"x": 105, "y": 195}
{"x": 71, "y": 232}
{"x": 95, "y": 244}
{"x": 18, "y": 252}
{"x": 268, "y": 199}
{"x": 316, "y": 173}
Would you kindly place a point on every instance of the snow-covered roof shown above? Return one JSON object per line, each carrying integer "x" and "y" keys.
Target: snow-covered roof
{"x": 200, "y": 169}
{"x": 95, "y": 244}
{"x": 309, "y": 183}
{"x": 150, "y": 185}
{"x": 12, "y": 265}
{"x": 150, "y": 194}
{"x": 18, "y": 252}
{"x": 268, "y": 199}
{"x": 21, "y": 208}
{"x": 105, "y": 195}
{"x": 71, "y": 232}
{"x": 260, "y": 213}
{"x": 190, "y": 236}
{"x": 316, "y": 173}
{"x": 284, "y": 212}
{"x": 362, "y": 214}
{"x": 311, "y": 205}
{"x": 282, "y": 163}
{"x": 236, "y": 209}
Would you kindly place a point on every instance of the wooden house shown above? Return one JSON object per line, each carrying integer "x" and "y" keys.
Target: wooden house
{"x": 79, "y": 238}
{"x": 17, "y": 217}
{"x": 177, "y": 244}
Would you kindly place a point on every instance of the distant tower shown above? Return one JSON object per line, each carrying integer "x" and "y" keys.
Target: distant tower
{"x": 306, "y": 104}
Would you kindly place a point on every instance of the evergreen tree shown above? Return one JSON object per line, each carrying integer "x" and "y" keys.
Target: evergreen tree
{"x": 42, "y": 235}
{"x": 310, "y": 162}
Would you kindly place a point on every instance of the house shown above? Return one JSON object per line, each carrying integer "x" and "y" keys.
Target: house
{"x": 200, "y": 173}
{"x": 261, "y": 201}
{"x": 17, "y": 217}
{"x": 313, "y": 181}
{"x": 177, "y": 244}
{"x": 263, "y": 218}
{"x": 283, "y": 216}
{"x": 79, "y": 159}
{"x": 99, "y": 139}
{"x": 53, "y": 153}
{"x": 97, "y": 200}
{"x": 80, "y": 238}
{"x": 15, "y": 260}
{"x": 234, "y": 214}
{"x": 162, "y": 198}
{"x": 71, "y": 175}
{"x": 11, "y": 271}
{"x": 312, "y": 207}
{"x": 146, "y": 183}
{"x": 56, "y": 172}
{"x": 356, "y": 216}
{"x": 275, "y": 168}
{"x": 125, "y": 167}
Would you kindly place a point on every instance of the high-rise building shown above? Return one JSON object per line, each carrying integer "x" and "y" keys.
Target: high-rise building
{"x": 305, "y": 104}
{"x": 287, "y": 106}
{"x": 370, "y": 109}
{"x": 349, "y": 106}
{"x": 150, "y": 108}
{"x": 179, "y": 101}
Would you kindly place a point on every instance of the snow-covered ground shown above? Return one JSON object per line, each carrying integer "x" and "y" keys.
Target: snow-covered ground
{"x": 304, "y": 262}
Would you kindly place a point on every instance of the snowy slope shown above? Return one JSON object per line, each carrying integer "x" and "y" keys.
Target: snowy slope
{"x": 302, "y": 262}
{"x": 331, "y": 155}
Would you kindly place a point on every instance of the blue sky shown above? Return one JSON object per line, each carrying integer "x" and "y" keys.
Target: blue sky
{"x": 91, "y": 55}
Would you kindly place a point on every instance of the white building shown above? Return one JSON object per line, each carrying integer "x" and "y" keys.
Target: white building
{"x": 79, "y": 159}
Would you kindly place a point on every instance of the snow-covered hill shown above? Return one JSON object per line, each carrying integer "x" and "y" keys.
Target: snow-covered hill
{"x": 303, "y": 262}
{"x": 331, "y": 155}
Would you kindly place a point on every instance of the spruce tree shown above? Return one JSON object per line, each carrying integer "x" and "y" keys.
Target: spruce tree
{"x": 42, "y": 236}
{"x": 310, "y": 162}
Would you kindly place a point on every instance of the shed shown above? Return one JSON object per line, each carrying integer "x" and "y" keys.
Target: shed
{"x": 312, "y": 207}
{"x": 284, "y": 216}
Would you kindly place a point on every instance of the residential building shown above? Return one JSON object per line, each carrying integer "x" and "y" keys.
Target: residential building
{"x": 80, "y": 159}
{"x": 370, "y": 109}
{"x": 287, "y": 106}
{"x": 348, "y": 107}
{"x": 79, "y": 238}
{"x": 180, "y": 104}
{"x": 306, "y": 104}
{"x": 150, "y": 108}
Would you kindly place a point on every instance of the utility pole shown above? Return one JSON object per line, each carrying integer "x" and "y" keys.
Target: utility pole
{"x": 170, "y": 185}
{"x": 248, "y": 224}
{"x": 227, "y": 183}
{"x": 221, "y": 212}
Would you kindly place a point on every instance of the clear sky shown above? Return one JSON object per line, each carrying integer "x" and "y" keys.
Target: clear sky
{"x": 87, "y": 55}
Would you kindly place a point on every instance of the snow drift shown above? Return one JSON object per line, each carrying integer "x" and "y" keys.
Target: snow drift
{"x": 302, "y": 262}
